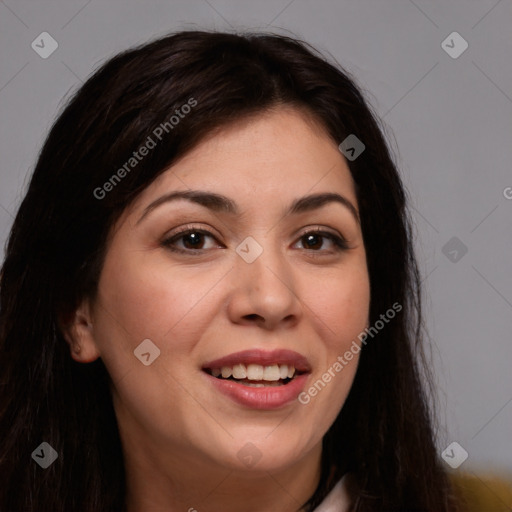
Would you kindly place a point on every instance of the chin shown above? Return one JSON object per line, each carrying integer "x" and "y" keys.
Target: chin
{"x": 269, "y": 451}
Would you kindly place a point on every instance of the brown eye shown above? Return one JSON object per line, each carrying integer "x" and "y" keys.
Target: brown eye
{"x": 312, "y": 241}
{"x": 191, "y": 240}
{"x": 320, "y": 241}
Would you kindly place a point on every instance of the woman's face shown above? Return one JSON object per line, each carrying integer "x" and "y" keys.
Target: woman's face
{"x": 234, "y": 258}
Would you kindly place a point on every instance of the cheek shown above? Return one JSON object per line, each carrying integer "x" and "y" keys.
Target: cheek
{"x": 140, "y": 301}
{"x": 340, "y": 314}
{"x": 339, "y": 311}
{"x": 341, "y": 305}
{"x": 150, "y": 299}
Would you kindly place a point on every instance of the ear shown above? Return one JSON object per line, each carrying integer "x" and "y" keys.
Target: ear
{"x": 78, "y": 331}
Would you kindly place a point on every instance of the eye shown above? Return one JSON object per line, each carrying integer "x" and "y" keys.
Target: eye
{"x": 189, "y": 240}
{"x": 319, "y": 240}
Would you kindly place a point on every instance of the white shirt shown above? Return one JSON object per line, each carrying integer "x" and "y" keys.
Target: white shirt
{"x": 338, "y": 500}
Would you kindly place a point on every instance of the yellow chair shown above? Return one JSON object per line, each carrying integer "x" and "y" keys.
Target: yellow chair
{"x": 484, "y": 492}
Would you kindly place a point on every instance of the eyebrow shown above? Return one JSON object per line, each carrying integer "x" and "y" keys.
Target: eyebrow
{"x": 220, "y": 203}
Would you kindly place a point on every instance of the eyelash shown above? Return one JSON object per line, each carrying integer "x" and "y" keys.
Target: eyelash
{"x": 339, "y": 242}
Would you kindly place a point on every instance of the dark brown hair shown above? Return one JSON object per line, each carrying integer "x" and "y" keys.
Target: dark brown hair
{"x": 384, "y": 435}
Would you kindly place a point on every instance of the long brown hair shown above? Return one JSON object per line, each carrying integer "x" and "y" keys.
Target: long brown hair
{"x": 384, "y": 434}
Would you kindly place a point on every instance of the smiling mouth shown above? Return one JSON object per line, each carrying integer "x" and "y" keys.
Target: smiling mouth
{"x": 255, "y": 375}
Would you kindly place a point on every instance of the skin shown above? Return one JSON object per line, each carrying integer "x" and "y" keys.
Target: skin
{"x": 180, "y": 437}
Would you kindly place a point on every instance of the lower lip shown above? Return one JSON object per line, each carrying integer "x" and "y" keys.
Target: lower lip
{"x": 271, "y": 397}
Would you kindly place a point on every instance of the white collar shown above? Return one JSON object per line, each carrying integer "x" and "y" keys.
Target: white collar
{"x": 338, "y": 497}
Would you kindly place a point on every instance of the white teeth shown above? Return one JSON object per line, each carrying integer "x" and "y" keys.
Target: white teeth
{"x": 239, "y": 371}
{"x": 226, "y": 372}
{"x": 270, "y": 373}
{"x": 255, "y": 372}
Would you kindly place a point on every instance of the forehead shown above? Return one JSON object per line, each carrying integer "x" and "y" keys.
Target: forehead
{"x": 271, "y": 157}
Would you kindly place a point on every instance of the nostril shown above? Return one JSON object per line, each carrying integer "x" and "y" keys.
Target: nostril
{"x": 253, "y": 316}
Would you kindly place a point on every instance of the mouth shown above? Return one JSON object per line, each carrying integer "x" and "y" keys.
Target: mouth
{"x": 259, "y": 379}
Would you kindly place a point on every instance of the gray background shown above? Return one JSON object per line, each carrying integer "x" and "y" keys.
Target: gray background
{"x": 449, "y": 121}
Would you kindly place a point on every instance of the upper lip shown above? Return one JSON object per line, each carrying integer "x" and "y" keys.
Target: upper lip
{"x": 263, "y": 358}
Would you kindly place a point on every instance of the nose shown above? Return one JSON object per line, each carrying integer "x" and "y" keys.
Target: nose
{"x": 264, "y": 292}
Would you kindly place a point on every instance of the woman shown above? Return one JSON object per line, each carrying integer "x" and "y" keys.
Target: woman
{"x": 209, "y": 299}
